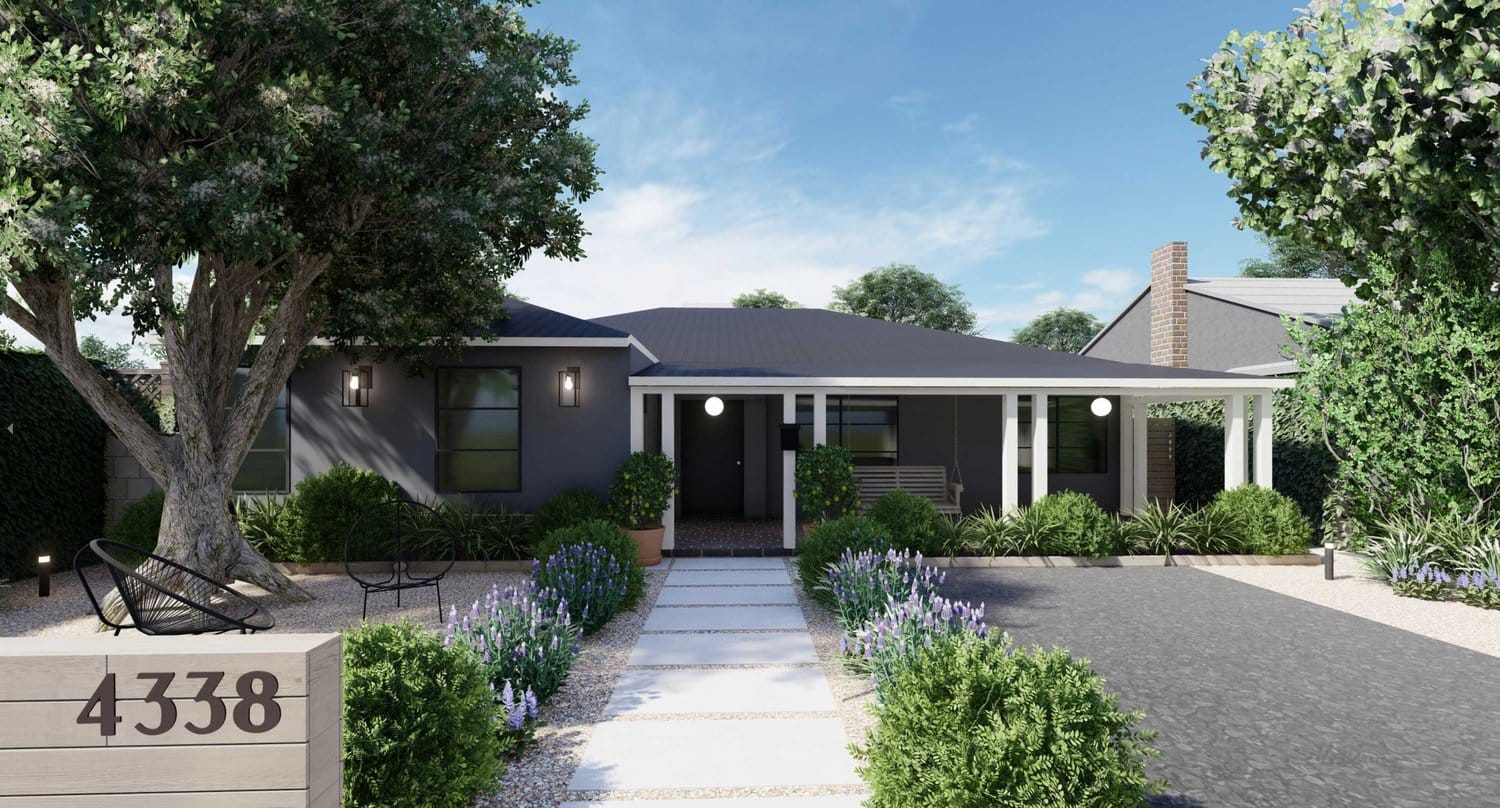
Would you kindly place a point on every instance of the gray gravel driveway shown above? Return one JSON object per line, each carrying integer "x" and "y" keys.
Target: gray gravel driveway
{"x": 1260, "y": 699}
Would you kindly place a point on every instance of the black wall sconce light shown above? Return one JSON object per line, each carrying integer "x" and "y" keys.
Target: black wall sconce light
{"x": 357, "y": 383}
{"x": 43, "y": 575}
{"x": 568, "y": 382}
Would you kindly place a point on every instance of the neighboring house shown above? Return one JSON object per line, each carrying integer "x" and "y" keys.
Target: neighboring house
{"x": 1230, "y": 324}
{"x": 544, "y": 402}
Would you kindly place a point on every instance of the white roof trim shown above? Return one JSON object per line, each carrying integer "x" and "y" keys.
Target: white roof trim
{"x": 962, "y": 383}
{"x": 639, "y": 346}
{"x": 1268, "y": 369}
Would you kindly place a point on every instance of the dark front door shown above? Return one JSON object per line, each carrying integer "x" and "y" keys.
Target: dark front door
{"x": 713, "y": 454}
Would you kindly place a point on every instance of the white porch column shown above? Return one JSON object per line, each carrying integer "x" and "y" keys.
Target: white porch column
{"x": 637, "y": 420}
{"x": 1234, "y": 441}
{"x": 1263, "y": 413}
{"x": 1039, "y": 448}
{"x": 1010, "y": 454}
{"x": 820, "y": 419}
{"x": 1127, "y": 454}
{"x": 1140, "y": 465}
{"x": 788, "y": 477}
{"x": 669, "y": 448}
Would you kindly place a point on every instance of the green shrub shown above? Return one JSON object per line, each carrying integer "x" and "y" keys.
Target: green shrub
{"x": 987, "y": 532}
{"x": 913, "y": 521}
{"x": 265, "y": 522}
{"x": 139, "y": 523}
{"x": 1267, "y": 521}
{"x": 1076, "y": 525}
{"x": 419, "y": 727}
{"x": 481, "y": 532}
{"x": 826, "y": 487}
{"x": 322, "y": 510}
{"x": 565, "y": 510}
{"x": 969, "y": 724}
{"x": 828, "y": 542}
{"x": 607, "y": 535}
{"x": 642, "y": 490}
{"x": 1158, "y": 530}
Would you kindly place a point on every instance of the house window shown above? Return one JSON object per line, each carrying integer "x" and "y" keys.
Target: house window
{"x": 1077, "y": 440}
{"x": 478, "y": 429}
{"x": 266, "y": 467}
{"x": 865, "y": 425}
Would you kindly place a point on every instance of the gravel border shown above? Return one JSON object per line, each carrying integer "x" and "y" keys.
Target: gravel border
{"x": 852, "y": 692}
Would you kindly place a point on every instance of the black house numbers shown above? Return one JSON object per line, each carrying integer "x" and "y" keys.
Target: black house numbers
{"x": 255, "y": 712}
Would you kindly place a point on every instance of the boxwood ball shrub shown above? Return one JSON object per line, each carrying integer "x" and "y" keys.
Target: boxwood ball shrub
{"x": 1267, "y": 521}
{"x": 969, "y": 723}
{"x": 322, "y": 510}
{"x": 914, "y": 522}
{"x": 826, "y": 487}
{"x": 585, "y": 580}
{"x": 139, "y": 523}
{"x": 524, "y": 642}
{"x": 607, "y": 535}
{"x": 1078, "y": 525}
{"x": 566, "y": 510}
{"x": 419, "y": 721}
{"x": 828, "y": 541}
{"x": 642, "y": 490}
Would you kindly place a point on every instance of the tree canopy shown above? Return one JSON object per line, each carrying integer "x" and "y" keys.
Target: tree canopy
{"x": 764, "y": 299}
{"x": 110, "y": 356}
{"x": 901, "y": 293}
{"x": 1062, "y": 329}
{"x": 368, "y": 171}
{"x": 1365, "y": 128}
{"x": 1291, "y": 258}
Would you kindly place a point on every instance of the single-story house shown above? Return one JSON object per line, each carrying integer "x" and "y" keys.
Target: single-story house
{"x": 1232, "y": 324}
{"x": 544, "y": 402}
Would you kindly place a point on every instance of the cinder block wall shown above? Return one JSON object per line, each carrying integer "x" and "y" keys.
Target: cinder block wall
{"x": 128, "y": 481}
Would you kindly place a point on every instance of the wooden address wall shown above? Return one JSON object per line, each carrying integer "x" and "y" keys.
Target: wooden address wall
{"x": 226, "y": 721}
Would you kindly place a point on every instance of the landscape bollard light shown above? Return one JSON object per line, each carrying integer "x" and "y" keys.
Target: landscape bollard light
{"x": 43, "y": 576}
{"x": 1328, "y": 562}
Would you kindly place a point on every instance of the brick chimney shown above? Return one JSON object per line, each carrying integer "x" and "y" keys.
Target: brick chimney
{"x": 1169, "y": 334}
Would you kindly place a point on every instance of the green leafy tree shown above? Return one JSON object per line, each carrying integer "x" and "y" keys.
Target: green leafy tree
{"x": 327, "y": 168}
{"x": 110, "y": 356}
{"x": 1291, "y": 258}
{"x": 1410, "y": 396}
{"x": 901, "y": 293}
{"x": 1365, "y": 128}
{"x": 764, "y": 299}
{"x": 1061, "y": 329}
{"x": 7, "y": 340}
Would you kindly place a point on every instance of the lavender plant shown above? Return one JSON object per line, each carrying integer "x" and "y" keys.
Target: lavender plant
{"x": 526, "y": 639}
{"x": 1480, "y": 589}
{"x": 887, "y": 643}
{"x": 1427, "y": 582}
{"x": 518, "y": 718}
{"x": 866, "y": 583}
{"x": 584, "y": 579}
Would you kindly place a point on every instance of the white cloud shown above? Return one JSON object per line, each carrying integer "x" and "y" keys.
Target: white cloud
{"x": 964, "y": 124}
{"x": 911, "y": 103}
{"x": 1104, "y": 292}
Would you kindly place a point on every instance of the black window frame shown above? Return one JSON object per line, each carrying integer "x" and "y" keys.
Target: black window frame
{"x": 437, "y": 423}
{"x": 836, "y": 423}
{"x": 1054, "y": 434}
{"x": 286, "y": 466}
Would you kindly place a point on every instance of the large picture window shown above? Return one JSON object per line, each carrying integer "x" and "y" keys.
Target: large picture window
{"x": 267, "y": 465}
{"x": 1077, "y": 440}
{"x": 478, "y": 429}
{"x": 865, "y": 425}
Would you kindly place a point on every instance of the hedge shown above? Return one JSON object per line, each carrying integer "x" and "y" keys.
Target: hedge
{"x": 52, "y": 474}
{"x": 1303, "y": 466}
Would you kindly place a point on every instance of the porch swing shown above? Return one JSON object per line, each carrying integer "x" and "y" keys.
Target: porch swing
{"x": 928, "y": 482}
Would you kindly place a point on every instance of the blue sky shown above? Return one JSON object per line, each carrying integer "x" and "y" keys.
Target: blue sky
{"x": 1032, "y": 156}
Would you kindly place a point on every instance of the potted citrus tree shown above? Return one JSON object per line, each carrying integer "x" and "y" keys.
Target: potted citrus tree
{"x": 826, "y": 487}
{"x": 641, "y": 493}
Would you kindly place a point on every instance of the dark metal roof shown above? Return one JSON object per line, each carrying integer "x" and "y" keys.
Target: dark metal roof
{"x": 527, "y": 320}
{"x": 823, "y": 344}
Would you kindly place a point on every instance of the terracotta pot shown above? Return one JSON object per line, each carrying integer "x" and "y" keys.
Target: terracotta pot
{"x": 808, "y": 528}
{"x": 648, "y": 545}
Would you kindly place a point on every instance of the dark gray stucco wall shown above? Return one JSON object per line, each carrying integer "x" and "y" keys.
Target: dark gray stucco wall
{"x": 1129, "y": 339}
{"x": 1225, "y": 335}
{"x": 561, "y": 447}
{"x": 925, "y": 436}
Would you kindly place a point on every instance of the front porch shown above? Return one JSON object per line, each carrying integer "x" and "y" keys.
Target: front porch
{"x": 735, "y": 440}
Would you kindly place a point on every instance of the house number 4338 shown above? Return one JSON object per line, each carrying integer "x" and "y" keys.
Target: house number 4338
{"x": 256, "y": 711}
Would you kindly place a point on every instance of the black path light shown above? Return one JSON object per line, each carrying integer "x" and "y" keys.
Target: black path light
{"x": 43, "y": 575}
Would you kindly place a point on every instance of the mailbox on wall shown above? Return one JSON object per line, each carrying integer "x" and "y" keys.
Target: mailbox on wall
{"x": 172, "y": 722}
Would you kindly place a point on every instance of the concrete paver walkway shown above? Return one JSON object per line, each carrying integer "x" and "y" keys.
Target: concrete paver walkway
{"x": 722, "y": 704}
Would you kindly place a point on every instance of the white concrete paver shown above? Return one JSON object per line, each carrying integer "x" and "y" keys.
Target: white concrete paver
{"x": 727, "y": 596}
{"x": 715, "y": 753}
{"x": 722, "y": 690}
{"x": 728, "y": 578}
{"x": 723, "y": 649}
{"x": 719, "y": 618}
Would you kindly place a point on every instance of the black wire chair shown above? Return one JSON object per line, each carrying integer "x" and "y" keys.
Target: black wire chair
{"x": 163, "y": 597}
{"x": 384, "y": 543}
